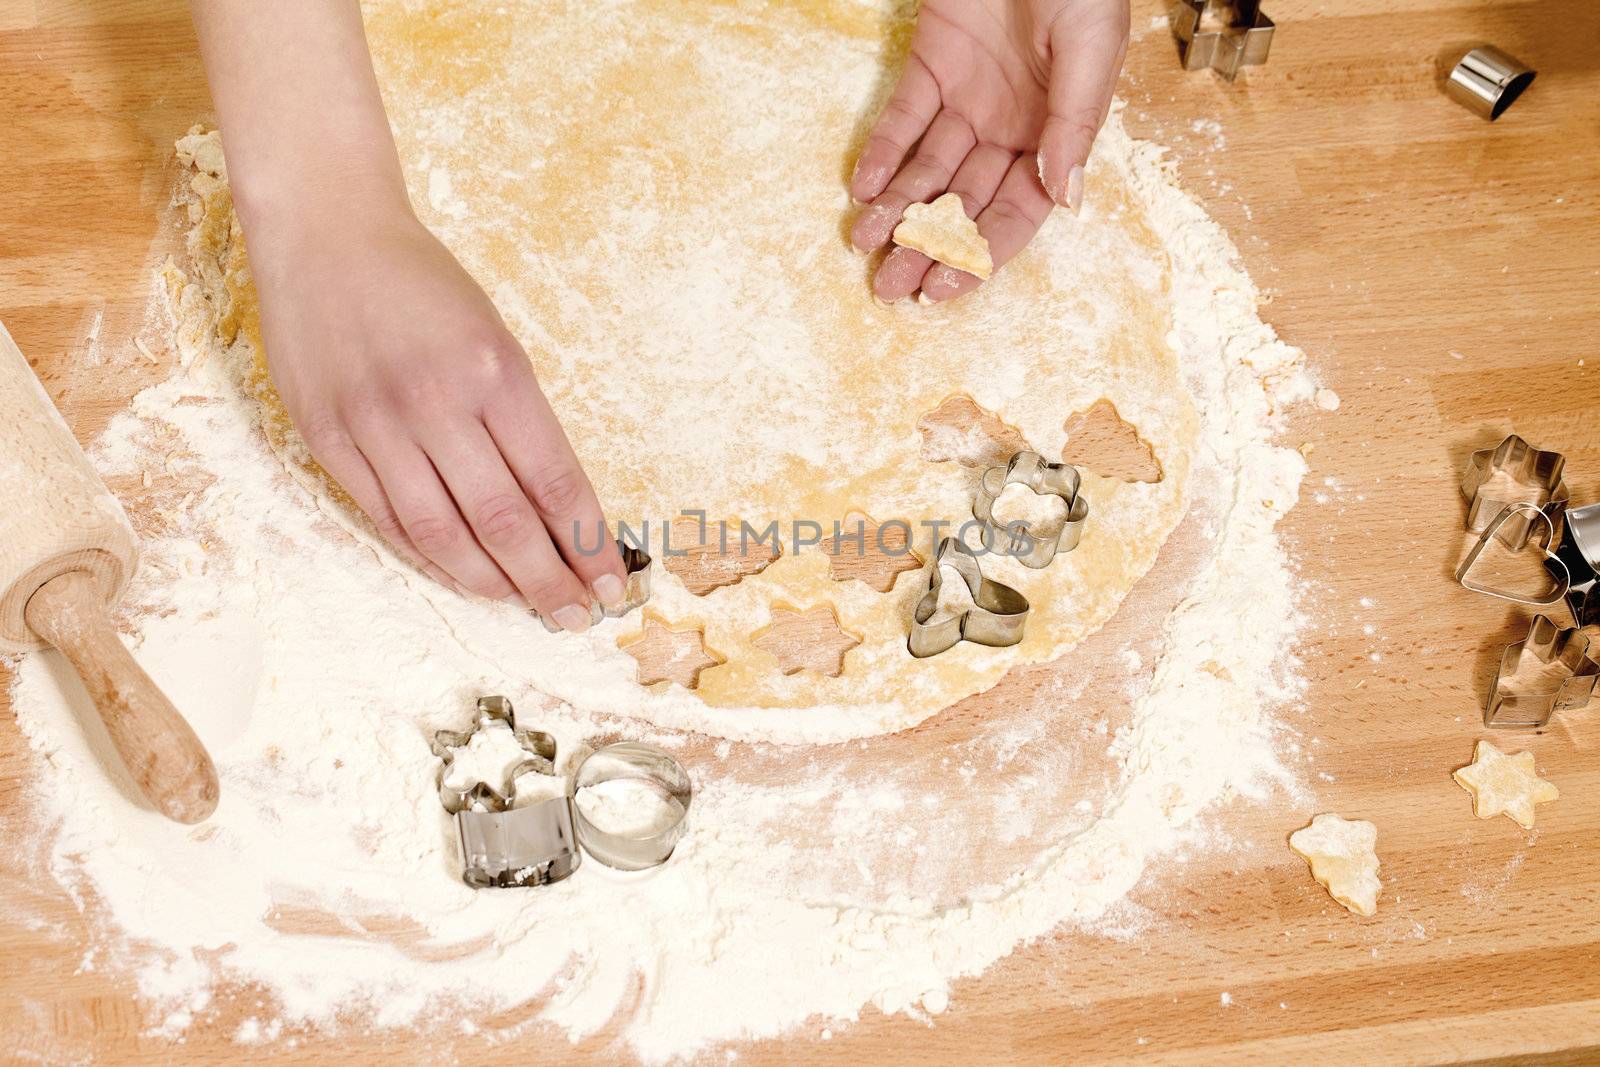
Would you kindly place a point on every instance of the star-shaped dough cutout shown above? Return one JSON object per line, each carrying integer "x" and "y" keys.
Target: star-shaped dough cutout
{"x": 875, "y": 554}
{"x": 707, "y": 556}
{"x": 1343, "y": 858}
{"x": 1504, "y": 785}
{"x": 668, "y": 655}
{"x": 809, "y": 640}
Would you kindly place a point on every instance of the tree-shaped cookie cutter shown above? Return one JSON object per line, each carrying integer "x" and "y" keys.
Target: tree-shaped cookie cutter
{"x": 1536, "y": 479}
{"x": 1031, "y": 547}
{"x": 503, "y": 845}
{"x": 635, "y": 589}
{"x": 1245, "y": 42}
{"x": 1551, "y": 645}
{"x": 997, "y": 617}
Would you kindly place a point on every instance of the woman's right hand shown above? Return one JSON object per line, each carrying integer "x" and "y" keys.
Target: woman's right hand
{"x": 410, "y": 391}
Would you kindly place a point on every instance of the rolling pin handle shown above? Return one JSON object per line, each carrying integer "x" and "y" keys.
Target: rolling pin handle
{"x": 159, "y": 748}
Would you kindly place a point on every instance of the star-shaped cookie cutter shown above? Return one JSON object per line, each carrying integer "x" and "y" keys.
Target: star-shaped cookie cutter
{"x": 1553, "y": 563}
{"x": 1536, "y": 474}
{"x": 997, "y": 617}
{"x": 635, "y": 589}
{"x": 1551, "y": 645}
{"x": 504, "y": 845}
{"x": 1245, "y": 42}
{"x": 1032, "y": 548}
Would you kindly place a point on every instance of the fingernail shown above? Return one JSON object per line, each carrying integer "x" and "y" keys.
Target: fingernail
{"x": 1075, "y": 189}
{"x": 608, "y": 589}
{"x": 573, "y": 618}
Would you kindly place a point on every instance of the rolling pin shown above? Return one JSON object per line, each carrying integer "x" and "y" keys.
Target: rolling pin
{"x": 67, "y": 554}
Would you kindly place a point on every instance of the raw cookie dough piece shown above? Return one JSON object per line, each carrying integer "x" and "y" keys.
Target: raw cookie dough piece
{"x": 1504, "y": 785}
{"x": 942, "y": 231}
{"x": 1343, "y": 858}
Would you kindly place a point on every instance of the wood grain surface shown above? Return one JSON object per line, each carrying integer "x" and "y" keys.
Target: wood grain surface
{"x": 1442, "y": 273}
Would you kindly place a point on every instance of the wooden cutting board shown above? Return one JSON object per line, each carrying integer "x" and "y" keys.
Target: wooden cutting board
{"x": 1442, "y": 273}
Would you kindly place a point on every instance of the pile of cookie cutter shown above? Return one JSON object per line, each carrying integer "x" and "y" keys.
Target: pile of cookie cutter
{"x": 998, "y": 617}
{"x": 506, "y": 846}
{"x": 635, "y": 589}
{"x": 1513, "y": 491}
{"x": 1245, "y": 41}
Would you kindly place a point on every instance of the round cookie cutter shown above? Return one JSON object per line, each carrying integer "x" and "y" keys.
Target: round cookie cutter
{"x": 633, "y": 761}
{"x": 1487, "y": 81}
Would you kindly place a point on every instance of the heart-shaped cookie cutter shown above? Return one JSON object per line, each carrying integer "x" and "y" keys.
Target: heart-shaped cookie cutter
{"x": 503, "y": 845}
{"x": 1030, "y": 546}
{"x": 1550, "y": 645}
{"x": 997, "y": 617}
{"x": 1557, "y": 568}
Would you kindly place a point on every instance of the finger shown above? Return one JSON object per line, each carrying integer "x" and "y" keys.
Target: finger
{"x": 343, "y": 461}
{"x": 928, "y": 174}
{"x": 1019, "y": 208}
{"x": 900, "y": 274}
{"x": 1084, "y": 62}
{"x": 429, "y": 513}
{"x": 506, "y": 524}
{"x": 542, "y": 460}
{"x": 904, "y": 120}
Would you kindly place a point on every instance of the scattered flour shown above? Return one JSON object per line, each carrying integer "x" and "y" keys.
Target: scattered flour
{"x": 815, "y": 882}
{"x": 629, "y": 807}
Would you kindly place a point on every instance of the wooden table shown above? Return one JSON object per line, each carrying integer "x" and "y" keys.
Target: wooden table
{"x": 1443, "y": 274}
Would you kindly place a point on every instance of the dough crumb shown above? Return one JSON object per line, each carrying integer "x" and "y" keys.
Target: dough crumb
{"x": 1343, "y": 857}
{"x": 941, "y": 231}
{"x": 1504, "y": 785}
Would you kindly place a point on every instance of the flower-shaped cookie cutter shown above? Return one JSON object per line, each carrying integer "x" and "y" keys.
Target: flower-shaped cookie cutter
{"x": 997, "y": 616}
{"x": 502, "y": 844}
{"x": 1244, "y": 42}
{"x": 1031, "y": 546}
{"x": 1552, "y": 646}
{"x": 635, "y": 589}
{"x": 1553, "y": 563}
{"x": 1534, "y": 476}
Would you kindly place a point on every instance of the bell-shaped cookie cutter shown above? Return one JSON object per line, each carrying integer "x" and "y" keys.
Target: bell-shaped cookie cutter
{"x": 997, "y": 618}
{"x": 1579, "y": 554}
{"x": 1550, "y": 645}
{"x": 1031, "y": 547}
{"x": 503, "y": 845}
{"x": 1536, "y": 479}
{"x": 659, "y": 772}
{"x": 1245, "y": 42}
{"x": 635, "y": 589}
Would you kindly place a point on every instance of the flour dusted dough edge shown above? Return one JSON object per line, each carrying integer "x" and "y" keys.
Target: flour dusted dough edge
{"x": 1344, "y": 859}
{"x": 942, "y": 231}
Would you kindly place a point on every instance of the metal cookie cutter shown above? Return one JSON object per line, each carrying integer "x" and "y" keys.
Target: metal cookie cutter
{"x": 1244, "y": 42}
{"x": 1552, "y": 562}
{"x": 997, "y": 616}
{"x": 1579, "y": 555}
{"x": 1487, "y": 81}
{"x": 645, "y": 843}
{"x": 503, "y": 845}
{"x": 1032, "y": 548}
{"x": 1536, "y": 479}
{"x": 1553, "y": 646}
{"x": 635, "y": 589}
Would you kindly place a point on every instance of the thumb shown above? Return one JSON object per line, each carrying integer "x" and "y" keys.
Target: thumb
{"x": 1084, "y": 61}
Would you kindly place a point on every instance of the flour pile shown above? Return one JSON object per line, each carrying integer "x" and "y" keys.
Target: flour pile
{"x": 814, "y": 881}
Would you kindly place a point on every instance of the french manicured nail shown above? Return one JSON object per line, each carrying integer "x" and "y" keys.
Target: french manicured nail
{"x": 608, "y": 590}
{"x": 573, "y": 618}
{"x": 1075, "y": 189}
